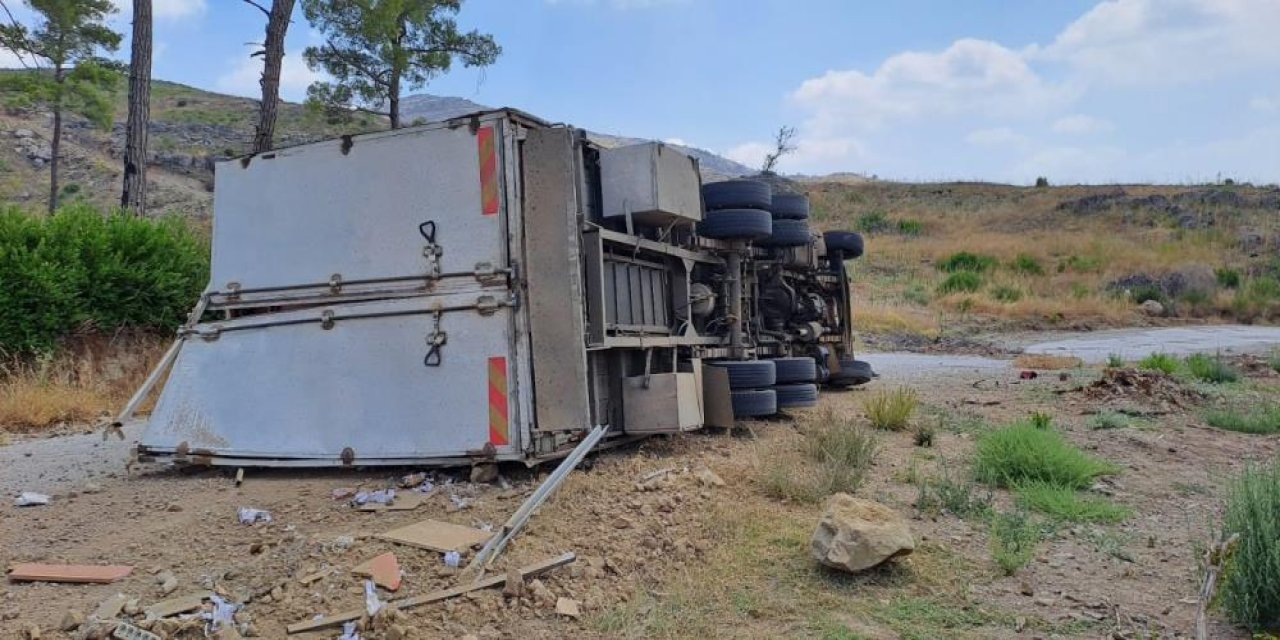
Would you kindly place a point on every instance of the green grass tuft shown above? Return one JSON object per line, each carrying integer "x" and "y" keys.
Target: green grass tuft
{"x": 1027, "y": 264}
{"x": 966, "y": 281}
{"x": 1162, "y": 362}
{"x": 891, "y": 409}
{"x": 1250, "y": 588}
{"x": 967, "y": 261}
{"x": 1006, "y": 294}
{"x": 1210, "y": 369}
{"x": 1061, "y": 503}
{"x": 1115, "y": 361}
{"x": 1110, "y": 420}
{"x": 1022, "y": 453}
{"x": 1260, "y": 420}
{"x": 1013, "y": 540}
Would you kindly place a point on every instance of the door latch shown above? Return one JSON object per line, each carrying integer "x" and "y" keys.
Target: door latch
{"x": 435, "y": 342}
{"x": 431, "y": 251}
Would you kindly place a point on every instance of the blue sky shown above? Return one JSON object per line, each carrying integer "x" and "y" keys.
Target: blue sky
{"x": 1074, "y": 90}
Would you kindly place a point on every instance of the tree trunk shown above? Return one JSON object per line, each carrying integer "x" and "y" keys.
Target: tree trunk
{"x": 277, "y": 26}
{"x": 393, "y": 99}
{"x": 134, "y": 196}
{"x": 58, "y": 77}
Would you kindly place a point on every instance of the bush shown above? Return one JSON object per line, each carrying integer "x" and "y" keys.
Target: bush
{"x": 1022, "y": 453}
{"x": 1042, "y": 182}
{"x": 873, "y": 222}
{"x": 891, "y": 410}
{"x": 1250, "y": 588}
{"x": 1262, "y": 420}
{"x": 1013, "y": 540}
{"x": 1143, "y": 293}
{"x": 1026, "y": 263}
{"x": 1115, "y": 361}
{"x": 81, "y": 270}
{"x": 1006, "y": 294}
{"x": 1109, "y": 420}
{"x": 1228, "y": 278}
{"x": 1062, "y": 503}
{"x": 910, "y": 227}
{"x": 966, "y": 281}
{"x": 834, "y": 457}
{"x": 1210, "y": 369}
{"x": 947, "y": 495}
{"x": 966, "y": 261}
{"x": 1161, "y": 362}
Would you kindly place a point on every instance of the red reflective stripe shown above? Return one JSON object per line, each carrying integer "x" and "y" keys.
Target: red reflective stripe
{"x": 499, "y": 432}
{"x": 488, "y": 171}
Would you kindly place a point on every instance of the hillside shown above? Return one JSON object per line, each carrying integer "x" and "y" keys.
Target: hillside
{"x": 190, "y": 130}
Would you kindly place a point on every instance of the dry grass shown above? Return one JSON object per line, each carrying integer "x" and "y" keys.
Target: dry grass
{"x": 891, "y": 409}
{"x": 85, "y": 382}
{"x": 831, "y": 454}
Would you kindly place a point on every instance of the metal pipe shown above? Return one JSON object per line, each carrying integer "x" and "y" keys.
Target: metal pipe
{"x": 131, "y": 407}
{"x": 733, "y": 264}
{"x": 518, "y": 519}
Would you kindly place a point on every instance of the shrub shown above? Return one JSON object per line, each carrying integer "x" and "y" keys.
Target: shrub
{"x": 834, "y": 457}
{"x": 1115, "y": 361}
{"x": 966, "y": 281}
{"x": 1006, "y": 294}
{"x": 1042, "y": 182}
{"x": 1262, "y": 420}
{"x": 1143, "y": 293}
{"x": 1022, "y": 453}
{"x": 1161, "y": 362}
{"x": 1062, "y": 503}
{"x": 1013, "y": 540}
{"x": 80, "y": 269}
{"x": 1228, "y": 278}
{"x": 945, "y": 494}
{"x": 910, "y": 227}
{"x": 891, "y": 409}
{"x": 1109, "y": 420}
{"x": 1028, "y": 264}
{"x": 872, "y": 222}
{"x": 1210, "y": 369}
{"x": 1250, "y": 588}
{"x": 967, "y": 261}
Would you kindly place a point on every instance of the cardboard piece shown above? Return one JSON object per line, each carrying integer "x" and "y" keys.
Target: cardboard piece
{"x": 78, "y": 573}
{"x": 384, "y": 570}
{"x": 437, "y": 536}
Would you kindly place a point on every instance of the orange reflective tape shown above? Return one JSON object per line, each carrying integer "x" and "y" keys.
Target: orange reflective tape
{"x": 499, "y": 430}
{"x": 488, "y": 171}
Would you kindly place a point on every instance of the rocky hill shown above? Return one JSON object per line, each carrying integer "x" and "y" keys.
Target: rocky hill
{"x": 190, "y": 130}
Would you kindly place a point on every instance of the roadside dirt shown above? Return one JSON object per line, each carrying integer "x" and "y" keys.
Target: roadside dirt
{"x": 640, "y": 550}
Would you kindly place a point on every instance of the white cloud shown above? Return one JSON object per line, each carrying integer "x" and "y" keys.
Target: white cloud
{"x": 970, "y": 76}
{"x": 1264, "y": 104}
{"x": 1080, "y": 124}
{"x": 242, "y": 78}
{"x": 996, "y": 138}
{"x": 165, "y": 9}
{"x": 749, "y": 153}
{"x": 679, "y": 141}
{"x": 1146, "y": 42}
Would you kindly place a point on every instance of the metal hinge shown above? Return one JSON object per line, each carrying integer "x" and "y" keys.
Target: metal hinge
{"x": 335, "y": 284}
{"x": 487, "y": 305}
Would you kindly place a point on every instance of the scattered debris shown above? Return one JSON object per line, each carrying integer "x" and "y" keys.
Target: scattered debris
{"x": 402, "y": 502}
{"x": 239, "y": 476}
{"x": 308, "y": 579}
{"x": 383, "y": 569}
{"x": 372, "y": 604}
{"x": 1027, "y": 374}
{"x": 459, "y": 503}
{"x": 321, "y": 622}
{"x": 180, "y": 604}
{"x": 1151, "y": 386}
{"x": 413, "y": 480}
{"x": 484, "y": 473}
{"x": 76, "y": 573}
{"x": 222, "y": 617}
{"x": 110, "y": 608}
{"x": 126, "y": 631}
{"x": 855, "y": 534}
{"x": 340, "y": 543}
{"x": 30, "y": 499}
{"x": 453, "y": 559}
{"x": 349, "y": 632}
{"x": 71, "y": 620}
{"x": 708, "y": 478}
{"x": 514, "y": 587}
{"x": 568, "y": 607}
{"x": 342, "y": 493}
{"x": 250, "y": 516}
{"x": 437, "y": 536}
{"x": 168, "y": 582}
{"x": 381, "y": 496}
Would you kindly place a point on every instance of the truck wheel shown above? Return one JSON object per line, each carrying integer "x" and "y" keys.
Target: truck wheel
{"x": 749, "y": 374}
{"x": 788, "y": 233}
{"x": 795, "y": 370}
{"x": 754, "y": 402}
{"x": 848, "y": 243}
{"x": 737, "y": 194}
{"x": 791, "y": 206}
{"x": 796, "y": 395}
{"x": 852, "y": 373}
{"x": 737, "y": 224}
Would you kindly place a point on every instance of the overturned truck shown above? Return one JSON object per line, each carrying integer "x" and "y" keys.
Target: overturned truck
{"x": 490, "y": 288}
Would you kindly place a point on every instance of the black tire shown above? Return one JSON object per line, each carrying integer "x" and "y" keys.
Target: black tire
{"x": 790, "y": 206}
{"x": 754, "y": 402}
{"x": 737, "y": 194}
{"x": 789, "y": 370}
{"x": 749, "y": 374}
{"x": 852, "y": 373}
{"x": 788, "y": 233}
{"x": 847, "y": 243}
{"x": 737, "y": 224}
{"x": 792, "y": 396}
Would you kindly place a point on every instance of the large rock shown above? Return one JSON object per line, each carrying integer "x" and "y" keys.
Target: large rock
{"x": 855, "y": 534}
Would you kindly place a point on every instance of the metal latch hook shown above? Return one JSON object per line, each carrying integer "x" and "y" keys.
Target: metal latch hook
{"x": 435, "y": 343}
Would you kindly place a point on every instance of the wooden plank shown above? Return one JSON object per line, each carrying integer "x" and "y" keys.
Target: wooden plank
{"x": 437, "y": 536}
{"x": 180, "y": 604}
{"x": 435, "y": 596}
{"x": 77, "y": 573}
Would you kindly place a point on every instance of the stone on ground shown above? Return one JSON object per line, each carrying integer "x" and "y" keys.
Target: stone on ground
{"x": 855, "y": 534}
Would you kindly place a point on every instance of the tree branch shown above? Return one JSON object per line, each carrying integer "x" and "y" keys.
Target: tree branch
{"x": 259, "y": 7}
{"x": 374, "y": 76}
